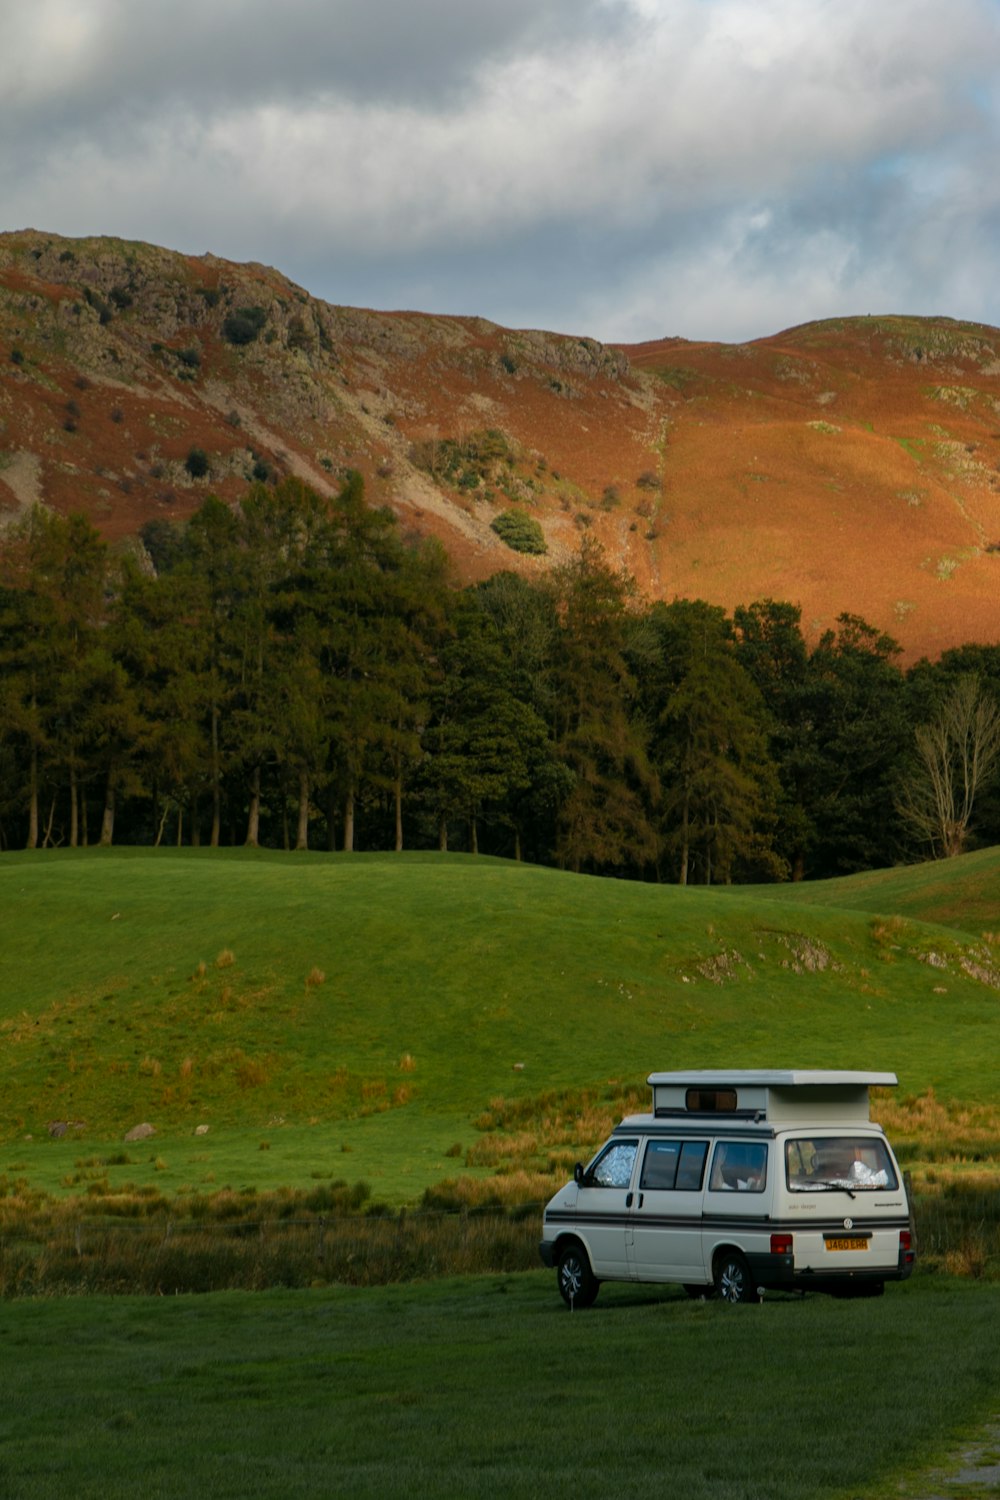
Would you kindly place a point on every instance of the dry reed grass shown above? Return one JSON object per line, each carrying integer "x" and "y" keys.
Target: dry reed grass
{"x": 923, "y": 1127}
{"x": 137, "y": 1239}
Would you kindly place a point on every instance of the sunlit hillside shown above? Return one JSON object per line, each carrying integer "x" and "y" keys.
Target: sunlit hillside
{"x": 850, "y": 465}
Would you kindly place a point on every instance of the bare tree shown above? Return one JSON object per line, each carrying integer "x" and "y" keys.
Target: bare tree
{"x": 956, "y": 753}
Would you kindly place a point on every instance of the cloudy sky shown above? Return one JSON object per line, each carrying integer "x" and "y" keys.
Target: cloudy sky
{"x": 627, "y": 169}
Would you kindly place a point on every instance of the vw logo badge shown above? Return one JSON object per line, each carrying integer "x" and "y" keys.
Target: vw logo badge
{"x": 848, "y": 1223}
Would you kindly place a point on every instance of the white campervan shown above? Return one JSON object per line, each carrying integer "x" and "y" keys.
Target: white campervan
{"x": 738, "y": 1182}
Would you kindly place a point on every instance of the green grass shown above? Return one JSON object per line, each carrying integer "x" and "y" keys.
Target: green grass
{"x": 336, "y": 1018}
{"x": 183, "y": 988}
{"x": 961, "y": 893}
{"x": 487, "y": 1386}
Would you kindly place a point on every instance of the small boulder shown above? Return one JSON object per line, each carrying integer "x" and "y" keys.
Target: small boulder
{"x": 140, "y": 1132}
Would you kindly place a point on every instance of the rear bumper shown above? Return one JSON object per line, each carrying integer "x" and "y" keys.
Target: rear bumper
{"x": 778, "y": 1273}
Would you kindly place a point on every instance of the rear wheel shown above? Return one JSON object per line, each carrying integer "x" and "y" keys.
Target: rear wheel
{"x": 733, "y": 1281}
{"x": 578, "y": 1286}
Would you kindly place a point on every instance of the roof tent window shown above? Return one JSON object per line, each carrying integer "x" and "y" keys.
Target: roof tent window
{"x": 710, "y": 1101}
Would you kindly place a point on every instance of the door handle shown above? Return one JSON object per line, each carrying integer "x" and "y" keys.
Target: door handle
{"x": 628, "y": 1200}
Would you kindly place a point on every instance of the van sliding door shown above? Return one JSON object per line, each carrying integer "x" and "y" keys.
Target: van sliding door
{"x": 666, "y": 1212}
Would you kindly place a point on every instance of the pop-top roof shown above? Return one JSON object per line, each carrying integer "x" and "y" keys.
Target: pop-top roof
{"x": 779, "y": 1078}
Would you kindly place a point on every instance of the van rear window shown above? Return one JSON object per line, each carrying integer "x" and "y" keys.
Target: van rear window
{"x": 846, "y": 1163}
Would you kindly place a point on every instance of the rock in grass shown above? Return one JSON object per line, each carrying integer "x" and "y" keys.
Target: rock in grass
{"x": 140, "y": 1132}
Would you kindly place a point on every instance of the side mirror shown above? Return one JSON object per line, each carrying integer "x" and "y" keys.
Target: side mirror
{"x": 578, "y": 1173}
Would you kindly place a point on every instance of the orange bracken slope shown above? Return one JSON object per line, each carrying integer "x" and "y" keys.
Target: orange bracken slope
{"x": 845, "y": 465}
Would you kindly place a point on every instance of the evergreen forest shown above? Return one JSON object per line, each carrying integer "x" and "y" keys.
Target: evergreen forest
{"x": 295, "y": 672}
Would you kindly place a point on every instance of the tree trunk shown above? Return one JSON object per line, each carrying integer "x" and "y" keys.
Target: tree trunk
{"x": 253, "y": 816}
{"x": 682, "y": 878}
{"x": 32, "y": 839}
{"x": 473, "y": 835}
{"x": 443, "y": 834}
{"x": 108, "y": 819}
{"x": 397, "y": 790}
{"x": 302, "y": 833}
{"x": 349, "y": 820}
{"x": 74, "y": 809}
{"x": 216, "y": 778}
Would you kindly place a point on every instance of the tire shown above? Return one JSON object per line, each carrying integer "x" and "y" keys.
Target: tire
{"x": 578, "y": 1286}
{"x": 733, "y": 1282}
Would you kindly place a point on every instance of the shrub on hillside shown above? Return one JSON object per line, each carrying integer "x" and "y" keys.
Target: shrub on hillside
{"x": 243, "y": 324}
{"x": 197, "y": 463}
{"x": 520, "y": 531}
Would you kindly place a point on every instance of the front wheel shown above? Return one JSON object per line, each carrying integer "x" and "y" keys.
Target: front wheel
{"x": 578, "y": 1286}
{"x": 733, "y": 1281}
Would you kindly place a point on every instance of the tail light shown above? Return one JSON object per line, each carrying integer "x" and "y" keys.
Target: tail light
{"x": 781, "y": 1244}
{"x": 905, "y": 1246}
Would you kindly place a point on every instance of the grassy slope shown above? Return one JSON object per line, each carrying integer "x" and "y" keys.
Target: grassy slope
{"x": 441, "y": 975}
{"x": 963, "y": 893}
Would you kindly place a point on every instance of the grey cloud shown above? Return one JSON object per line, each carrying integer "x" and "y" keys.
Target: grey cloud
{"x": 132, "y": 58}
{"x": 617, "y": 167}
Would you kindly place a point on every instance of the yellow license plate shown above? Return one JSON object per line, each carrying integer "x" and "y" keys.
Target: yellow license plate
{"x": 847, "y": 1242}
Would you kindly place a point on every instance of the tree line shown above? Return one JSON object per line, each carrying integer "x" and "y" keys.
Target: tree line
{"x": 295, "y": 672}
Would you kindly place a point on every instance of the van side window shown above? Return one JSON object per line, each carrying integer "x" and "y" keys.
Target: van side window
{"x": 660, "y": 1166}
{"x": 712, "y": 1101}
{"x": 739, "y": 1167}
{"x": 613, "y": 1168}
{"x": 691, "y": 1168}
{"x": 673, "y": 1165}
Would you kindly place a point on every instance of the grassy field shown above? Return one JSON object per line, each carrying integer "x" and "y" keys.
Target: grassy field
{"x": 487, "y": 1386}
{"x": 463, "y": 1026}
{"x": 400, "y": 1020}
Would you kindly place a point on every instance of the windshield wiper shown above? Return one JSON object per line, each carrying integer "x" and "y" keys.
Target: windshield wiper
{"x": 837, "y": 1187}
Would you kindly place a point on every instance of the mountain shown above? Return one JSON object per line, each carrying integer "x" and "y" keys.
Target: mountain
{"x": 845, "y": 465}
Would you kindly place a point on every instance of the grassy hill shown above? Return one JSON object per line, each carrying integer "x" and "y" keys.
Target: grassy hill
{"x": 403, "y": 1019}
{"x": 963, "y": 894}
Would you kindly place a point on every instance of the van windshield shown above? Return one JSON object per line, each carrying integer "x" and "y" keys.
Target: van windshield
{"x": 838, "y": 1163}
